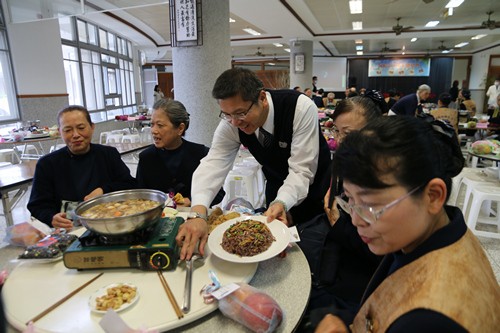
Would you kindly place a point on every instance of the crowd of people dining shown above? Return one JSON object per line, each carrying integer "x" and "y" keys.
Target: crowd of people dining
{"x": 383, "y": 246}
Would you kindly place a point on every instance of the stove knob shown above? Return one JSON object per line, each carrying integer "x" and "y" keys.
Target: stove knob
{"x": 159, "y": 260}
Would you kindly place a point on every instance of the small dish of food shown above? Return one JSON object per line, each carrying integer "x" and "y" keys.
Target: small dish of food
{"x": 248, "y": 239}
{"x": 116, "y": 296}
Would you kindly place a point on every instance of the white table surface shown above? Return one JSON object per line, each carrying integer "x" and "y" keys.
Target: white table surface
{"x": 32, "y": 287}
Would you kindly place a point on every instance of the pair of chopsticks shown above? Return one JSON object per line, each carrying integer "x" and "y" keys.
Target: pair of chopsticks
{"x": 170, "y": 295}
{"x": 62, "y": 300}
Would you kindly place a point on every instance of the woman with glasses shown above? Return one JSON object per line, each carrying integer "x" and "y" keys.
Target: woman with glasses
{"x": 341, "y": 263}
{"x": 169, "y": 163}
{"x": 395, "y": 177}
{"x": 281, "y": 130}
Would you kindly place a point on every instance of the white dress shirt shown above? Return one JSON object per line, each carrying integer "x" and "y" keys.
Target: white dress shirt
{"x": 302, "y": 163}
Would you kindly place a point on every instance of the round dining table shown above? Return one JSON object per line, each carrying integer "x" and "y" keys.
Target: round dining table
{"x": 34, "y": 286}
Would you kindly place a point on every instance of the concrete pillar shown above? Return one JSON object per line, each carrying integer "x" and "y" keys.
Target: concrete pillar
{"x": 196, "y": 68}
{"x": 304, "y": 79}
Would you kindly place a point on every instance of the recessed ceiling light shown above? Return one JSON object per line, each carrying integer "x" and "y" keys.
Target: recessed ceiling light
{"x": 403, "y": 48}
{"x": 231, "y": 20}
{"x": 403, "y": 53}
{"x": 359, "y": 53}
{"x": 476, "y": 37}
{"x": 414, "y": 39}
{"x": 357, "y": 25}
{"x": 454, "y": 3}
{"x": 286, "y": 50}
{"x": 432, "y": 23}
{"x": 462, "y": 44}
{"x": 278, "y": 44}
{"x": 359, "y": 47}
{"x": 356, "y": 6}
{"x": 251, "y": 31}
{"x": 358, "y": 41}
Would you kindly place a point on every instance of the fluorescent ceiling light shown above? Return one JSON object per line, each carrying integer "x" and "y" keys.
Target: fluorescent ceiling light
{"x": 231, "y": 20}
{"x": 278, "y": 44}
{"x": 454, "y": 3}
{"x": 450, "y": 11}
{"x": 462, "y": 44}
{"x": 358, "y": 41}
{"x": 271, "y": 63}
{"x": 359, "y": 47}
{"x": 356, "y": 6}
{"x": 414, "y": 39}
{"x": 359, "y": 53}
{"x": 476, "y": 37}
{"x": 287, "y": 50}
{"x": 251, "y": 31}
{"x": 403, "y": 48}
{"x": 403, "y": 53}
{"x": 447, "y": 51}
{"x": 432, "y": 23}
{"x": 357, "y": 25}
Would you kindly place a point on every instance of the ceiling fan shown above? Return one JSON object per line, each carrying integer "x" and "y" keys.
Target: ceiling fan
{"x": 387, "y": 49}
{"x": 398, "y": 29}
{"x": 442, "y": 47}
{"x": 258, "y": 53}
{"x": 490, "y": 24}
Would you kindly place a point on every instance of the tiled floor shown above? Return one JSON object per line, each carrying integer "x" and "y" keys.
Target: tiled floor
{"x": 20, "y": 214}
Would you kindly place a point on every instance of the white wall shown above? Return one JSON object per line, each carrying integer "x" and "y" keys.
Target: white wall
{"x": 37, "y": 57}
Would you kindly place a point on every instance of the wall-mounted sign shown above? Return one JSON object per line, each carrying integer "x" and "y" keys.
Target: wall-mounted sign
{"x": 185, "y": 23}
{"x": 299, "y": 61}
{"x": 399, "y": 67}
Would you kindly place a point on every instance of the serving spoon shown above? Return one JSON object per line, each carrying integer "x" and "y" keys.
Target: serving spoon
{"x": 187, "y": 286}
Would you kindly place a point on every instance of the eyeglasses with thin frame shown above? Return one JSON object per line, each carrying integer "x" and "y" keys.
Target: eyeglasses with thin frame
{"x": 235, "y": 116}
{"x": 369, "y": 214}
{"x": 337, "y": 134}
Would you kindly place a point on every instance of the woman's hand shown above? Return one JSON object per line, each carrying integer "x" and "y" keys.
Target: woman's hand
{"x": 60, "y": 221}
{"x": 332, "y": 213}
{"x": 95, "y": 193}
{"x": 331, "y": 324}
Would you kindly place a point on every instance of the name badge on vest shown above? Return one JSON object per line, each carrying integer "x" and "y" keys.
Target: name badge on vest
{"x": 282, "y": 144}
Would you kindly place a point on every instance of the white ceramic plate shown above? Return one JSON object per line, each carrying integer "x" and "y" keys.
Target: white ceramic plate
{"x": 277, "y": 228}
{"x": 103, "y": 291}
{"x": 36, "y": 136}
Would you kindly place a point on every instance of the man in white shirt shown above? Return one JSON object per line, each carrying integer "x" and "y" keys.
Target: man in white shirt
{"x": 492, "y": 94}
{"x": 295, "y": 158}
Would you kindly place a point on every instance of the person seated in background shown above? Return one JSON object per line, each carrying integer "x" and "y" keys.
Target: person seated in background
{"x": 390, "y": 99}
{"x": 351, "y": 92}
{"x": 362, "y": 91}
{"x": 78, "y": 172}
{"x": 396, "y": 176}
{"x": 443, "y": 112}
{"x": 318, "y": 98}
{"x": 168, "y": 165}
{"x": 329, "y": 101}
{"x": 308, "y": 92}
{"x": 411, "y": 104}
{"x": 297, "y": 88}
{"x": 341, "y": 264}
{"x": 466, "y": 103}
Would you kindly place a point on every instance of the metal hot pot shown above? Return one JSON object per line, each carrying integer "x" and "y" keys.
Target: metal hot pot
{"x": 123, "y": 225}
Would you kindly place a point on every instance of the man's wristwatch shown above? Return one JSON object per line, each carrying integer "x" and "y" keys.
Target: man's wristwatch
{"x": 195, "y": 215}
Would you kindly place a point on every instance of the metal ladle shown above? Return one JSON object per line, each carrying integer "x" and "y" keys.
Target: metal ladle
{"x": 187, "y": 286}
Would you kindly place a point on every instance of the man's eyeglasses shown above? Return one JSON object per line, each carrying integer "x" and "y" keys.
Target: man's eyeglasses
{"x": 369, "y": 214}
{"x": 235, "y": 116}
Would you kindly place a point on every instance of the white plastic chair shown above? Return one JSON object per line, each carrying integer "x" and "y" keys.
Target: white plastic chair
{"x": 472, "y": 210}
{"x": 242, "y": 183}
{"x": 132, "y": 138}
{"x": 103, "y": 136}
{"x": 114, "y": 138}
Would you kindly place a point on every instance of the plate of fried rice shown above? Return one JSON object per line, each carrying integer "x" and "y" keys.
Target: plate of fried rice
{"x": 248, "y": 239}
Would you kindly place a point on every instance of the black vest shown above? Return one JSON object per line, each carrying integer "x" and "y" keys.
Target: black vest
{"x": 274, "y": 160}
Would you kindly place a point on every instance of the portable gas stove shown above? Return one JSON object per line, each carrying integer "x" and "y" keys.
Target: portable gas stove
{"x": 147, "y": 249}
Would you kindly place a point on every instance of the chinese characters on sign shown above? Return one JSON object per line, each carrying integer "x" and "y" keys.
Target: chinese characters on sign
{"x": 185, "y": 16}
{"x": 399, "y": 67}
